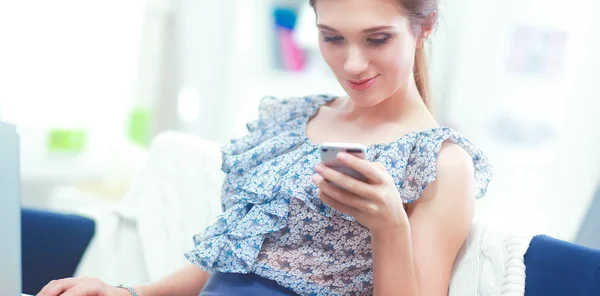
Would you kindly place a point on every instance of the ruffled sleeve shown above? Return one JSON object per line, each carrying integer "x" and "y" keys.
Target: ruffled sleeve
{"x": 413, "y": 163}
{"x": 275, "y": 116}
{"x": 278, "y": 118}
{"x": 252, "y": 201}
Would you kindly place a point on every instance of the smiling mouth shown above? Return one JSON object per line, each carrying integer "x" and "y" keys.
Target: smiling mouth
{"x": 363, "y": 84}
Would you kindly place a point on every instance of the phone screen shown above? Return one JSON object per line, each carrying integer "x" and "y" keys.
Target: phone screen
{"x": 329, "y": 154}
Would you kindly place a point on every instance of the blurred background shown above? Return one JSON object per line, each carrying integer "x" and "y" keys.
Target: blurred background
{"x": 90, "y": 83}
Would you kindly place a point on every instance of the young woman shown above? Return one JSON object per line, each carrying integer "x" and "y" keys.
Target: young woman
{"x": 285, "y": 230}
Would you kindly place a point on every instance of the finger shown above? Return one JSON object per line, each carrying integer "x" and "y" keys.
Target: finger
{"x": 57, "y": 287}
{"x": 350, "y": 184}
{"x": 341, "y": 195}
{"x": 369, "y": 169}
{"x": 338, "y": 205}
{"x": 90, "y": 288}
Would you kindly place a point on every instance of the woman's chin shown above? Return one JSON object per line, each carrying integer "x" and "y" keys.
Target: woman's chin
{"x": 365, "y": 98}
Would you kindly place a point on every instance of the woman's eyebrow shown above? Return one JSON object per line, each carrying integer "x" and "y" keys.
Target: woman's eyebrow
{"x": 368, "y": 30}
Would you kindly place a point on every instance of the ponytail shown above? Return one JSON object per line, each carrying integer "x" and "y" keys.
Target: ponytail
{"x": 421, "y": 73}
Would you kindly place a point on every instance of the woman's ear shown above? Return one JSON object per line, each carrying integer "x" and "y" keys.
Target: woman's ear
{"x": 426, "y": 28}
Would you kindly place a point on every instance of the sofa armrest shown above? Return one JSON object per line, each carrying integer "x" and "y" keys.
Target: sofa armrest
{"x": 556, "y": 267}
{"x": 52, "y": 246}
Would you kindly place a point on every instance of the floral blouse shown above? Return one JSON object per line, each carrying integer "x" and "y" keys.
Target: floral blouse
{"x": 273, "y": 223}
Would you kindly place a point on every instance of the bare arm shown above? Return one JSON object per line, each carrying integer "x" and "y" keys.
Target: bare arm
{"x": 187, "y": 281}
{"x": 394, "y": 270}
{"x": 418, "y": 260}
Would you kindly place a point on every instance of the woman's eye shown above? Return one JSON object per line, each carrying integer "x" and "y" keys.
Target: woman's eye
{"x": 334, "y": 39}
{"x": 378, "y": 41}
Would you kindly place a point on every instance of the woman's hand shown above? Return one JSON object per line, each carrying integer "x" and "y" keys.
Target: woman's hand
{"x": 376, "y": 204}
{"x": 81, "y": 287}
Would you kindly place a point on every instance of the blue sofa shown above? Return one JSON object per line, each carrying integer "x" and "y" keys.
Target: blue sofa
{"x": 52, "y": 245}
{"x": 554, "y": 267}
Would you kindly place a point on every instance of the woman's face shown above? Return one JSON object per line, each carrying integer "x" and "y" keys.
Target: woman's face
{"x": 369, "y": 45}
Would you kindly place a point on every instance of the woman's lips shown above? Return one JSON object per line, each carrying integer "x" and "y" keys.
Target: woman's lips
{"x": 362, "y": 85}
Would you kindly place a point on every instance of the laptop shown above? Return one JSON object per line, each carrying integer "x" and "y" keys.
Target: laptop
{"x": 10, "y": 212}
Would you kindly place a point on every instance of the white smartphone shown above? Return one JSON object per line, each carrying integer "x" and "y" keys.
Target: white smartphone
{"x": 329, "y": 152}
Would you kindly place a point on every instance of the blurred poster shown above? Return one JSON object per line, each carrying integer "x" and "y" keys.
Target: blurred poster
{"x": 537, "y": 51}
{"x": 527, "y": 119}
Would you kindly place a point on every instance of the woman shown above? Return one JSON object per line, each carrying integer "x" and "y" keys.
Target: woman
{"x": 285, "y": 230}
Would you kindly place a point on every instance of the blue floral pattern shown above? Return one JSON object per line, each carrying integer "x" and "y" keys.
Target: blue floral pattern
{"x": 273, "y": 223}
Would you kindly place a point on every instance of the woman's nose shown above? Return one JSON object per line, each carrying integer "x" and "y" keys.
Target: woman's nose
{"x": 356, "y": 63}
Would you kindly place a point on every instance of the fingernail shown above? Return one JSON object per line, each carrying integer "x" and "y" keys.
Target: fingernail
{"x": 316, "y": 178}
{"x": 342, "y": 156}
{"x": 319, "y": 169}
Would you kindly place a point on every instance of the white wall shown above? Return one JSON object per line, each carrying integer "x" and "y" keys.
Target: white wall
{"x": 205, "y": 38}
{"x": 580, "y": 149}
{"x": 68, "y": 63}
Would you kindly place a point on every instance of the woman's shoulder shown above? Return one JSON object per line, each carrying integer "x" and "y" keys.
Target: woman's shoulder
{"x": 454, "y": 160}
